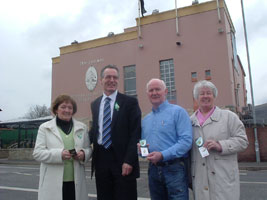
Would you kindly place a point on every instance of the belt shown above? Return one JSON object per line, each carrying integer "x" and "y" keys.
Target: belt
{"x": 169, "y": 162}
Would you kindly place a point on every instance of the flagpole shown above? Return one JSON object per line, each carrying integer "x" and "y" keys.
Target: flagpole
{"x": 251, "y": 88}
{"x": 218, "y": 10}
{"x": 176, "y": 11}
{"x": 139, "y": 19}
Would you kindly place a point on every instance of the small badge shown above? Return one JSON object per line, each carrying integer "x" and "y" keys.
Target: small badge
{"x": 199, "y": 142}
{"x": 142, "y": 143}
{"x": 80, "y": 135}
{"x": 73, "y": 152}
{"x": 117, "y": 107}
{"x": 143, "y": 148}
{"x": 202, "y": 150}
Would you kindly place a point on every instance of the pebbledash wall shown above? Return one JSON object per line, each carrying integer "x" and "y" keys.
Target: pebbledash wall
{"x": 204, "y": 48}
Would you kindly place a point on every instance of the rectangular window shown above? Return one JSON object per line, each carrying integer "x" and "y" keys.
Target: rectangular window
{"x": 130, "y": 80}
{"x": 167, "y": 75}
{"x": 193, "y": 76}
{"x": 207, "y": 75}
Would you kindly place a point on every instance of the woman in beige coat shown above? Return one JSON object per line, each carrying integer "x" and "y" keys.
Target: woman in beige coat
{"x": 62, "y": 147}
{"x": 218, "y": 136}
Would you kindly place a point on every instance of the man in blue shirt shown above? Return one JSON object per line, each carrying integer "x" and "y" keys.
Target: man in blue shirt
{"x": 168, "y": 133}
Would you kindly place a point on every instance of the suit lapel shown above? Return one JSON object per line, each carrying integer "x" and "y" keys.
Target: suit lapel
{"x": 117, "y": 105}
{"x": 97, "y": 107}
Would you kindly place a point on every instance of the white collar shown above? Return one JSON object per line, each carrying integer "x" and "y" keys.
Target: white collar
{"x": 112, "y": 96}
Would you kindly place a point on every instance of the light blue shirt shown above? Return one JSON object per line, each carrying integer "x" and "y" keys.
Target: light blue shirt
{"x": 168, "y": 130}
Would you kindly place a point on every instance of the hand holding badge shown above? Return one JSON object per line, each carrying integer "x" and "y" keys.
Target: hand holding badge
{"x": 73, "y": 152}
{"x": 143, "y": 148}
{"x": 203, "y": 151}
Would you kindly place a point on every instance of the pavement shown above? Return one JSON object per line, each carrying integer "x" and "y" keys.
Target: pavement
{"x": 251, "y": 166}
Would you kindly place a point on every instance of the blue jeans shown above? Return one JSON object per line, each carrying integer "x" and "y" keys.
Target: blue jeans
{"x": 168, "y": 182}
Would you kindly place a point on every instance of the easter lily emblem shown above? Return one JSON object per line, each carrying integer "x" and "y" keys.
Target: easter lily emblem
{"x": 117, "y": 107}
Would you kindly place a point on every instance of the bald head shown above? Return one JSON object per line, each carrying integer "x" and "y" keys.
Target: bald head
{"x": 156, "y": 92}
{"x": 156, "y": 80}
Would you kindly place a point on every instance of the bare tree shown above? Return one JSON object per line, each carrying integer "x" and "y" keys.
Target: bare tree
{"x": 37, "y": 111}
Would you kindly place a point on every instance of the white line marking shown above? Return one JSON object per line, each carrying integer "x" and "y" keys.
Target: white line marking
{"x": 36, "y": 190}
{"x": 19, "y": 189}
{"x": 92, "y": 195}
{"x": 139, "y": 198}
{"x": 26, "y": 174}
{"x": 248, "y": 182}
{"x": 8, "y": 167}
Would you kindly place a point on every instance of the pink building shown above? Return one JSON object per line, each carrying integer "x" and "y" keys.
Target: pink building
{"x": 198, "y": 44}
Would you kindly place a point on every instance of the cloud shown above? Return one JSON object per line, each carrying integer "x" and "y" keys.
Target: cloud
{"x": 32, "y": 35}
{"x": 255, "y": 15}
{"x": 26, "y": 59}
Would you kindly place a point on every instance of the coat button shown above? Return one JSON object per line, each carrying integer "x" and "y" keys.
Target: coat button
{"x": 203, "y": 164}
{"x": 206, "y": 188}
{"x": 213, "y": 173}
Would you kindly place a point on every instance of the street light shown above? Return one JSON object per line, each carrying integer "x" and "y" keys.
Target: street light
{"x": 251, "y": 88}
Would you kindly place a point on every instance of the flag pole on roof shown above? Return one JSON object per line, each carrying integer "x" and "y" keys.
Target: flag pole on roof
{"x": 142, "y": 10}
{"x": 176, "y": 12}
{"x": 139, "y": 20}
{"x": 218, "y": 10}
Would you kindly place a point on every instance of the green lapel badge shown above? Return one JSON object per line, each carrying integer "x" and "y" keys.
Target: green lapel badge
{"x": 117, "y": 107}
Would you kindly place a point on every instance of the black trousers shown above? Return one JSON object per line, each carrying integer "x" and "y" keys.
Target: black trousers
{"x": 68, "y": 190}
{"x": 110, "y": 184}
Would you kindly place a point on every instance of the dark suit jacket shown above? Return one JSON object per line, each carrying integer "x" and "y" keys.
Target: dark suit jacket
{"x": 125, "y": 131}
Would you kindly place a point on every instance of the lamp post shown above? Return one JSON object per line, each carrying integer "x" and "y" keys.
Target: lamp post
{"x": 251, "y": 88}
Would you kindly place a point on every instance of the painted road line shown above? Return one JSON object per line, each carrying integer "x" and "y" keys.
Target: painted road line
{"x": 9, "y": 167}
{"x": 19, "y": 173}
{"x": 248, "y": 182}
{"x": 18, "y": 189}
{"x": 36, "y": 190}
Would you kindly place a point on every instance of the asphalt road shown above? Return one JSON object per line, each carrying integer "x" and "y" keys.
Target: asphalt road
{"x": 20, "y": 182}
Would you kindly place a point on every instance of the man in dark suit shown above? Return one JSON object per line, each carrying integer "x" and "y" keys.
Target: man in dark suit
{"x": 115, "y": 131}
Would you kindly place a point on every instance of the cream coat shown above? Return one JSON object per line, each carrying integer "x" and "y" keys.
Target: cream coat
{"x": 48, "y": 150}
{"x": 216, "y": 177}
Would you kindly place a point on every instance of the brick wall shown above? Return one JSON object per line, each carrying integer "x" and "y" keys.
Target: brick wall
{"x": 249, "y": 154}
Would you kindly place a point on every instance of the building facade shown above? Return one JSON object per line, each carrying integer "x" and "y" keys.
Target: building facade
{"x": 196, "y": 44}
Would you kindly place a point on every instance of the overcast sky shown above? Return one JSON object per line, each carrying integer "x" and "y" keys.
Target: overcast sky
{"x": 31, "y": 32}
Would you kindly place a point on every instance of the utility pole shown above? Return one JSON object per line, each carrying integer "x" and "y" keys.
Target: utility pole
{"x": 251, "y": 88}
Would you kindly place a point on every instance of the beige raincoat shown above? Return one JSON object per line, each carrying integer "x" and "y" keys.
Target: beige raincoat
{"x": 216, "y": 177}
